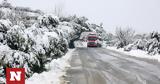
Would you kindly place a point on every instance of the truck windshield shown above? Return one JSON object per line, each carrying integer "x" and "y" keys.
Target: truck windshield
{"x": 92, "y": 38}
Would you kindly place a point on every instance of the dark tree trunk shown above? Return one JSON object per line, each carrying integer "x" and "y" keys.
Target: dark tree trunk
{"x": 71, "y": 44}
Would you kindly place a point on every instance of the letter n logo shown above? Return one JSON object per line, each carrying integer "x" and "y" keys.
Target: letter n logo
{"x": 15, "y": 76}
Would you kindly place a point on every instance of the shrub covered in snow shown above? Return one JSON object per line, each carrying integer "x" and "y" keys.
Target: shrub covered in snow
{"x": 138, "y": 44}
{"x": 33, "y": 47}
{"x": 48, "y": 21}
{"x": 14, "y": 58}
{"x": 124, "y": 36}
{"x": 153, "y": 45}
{"x": 149, "y": 43}
{"x": 17, "y": 39}
{"x": 5, "y": 25}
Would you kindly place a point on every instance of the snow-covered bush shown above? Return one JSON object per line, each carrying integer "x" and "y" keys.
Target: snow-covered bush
{"x": 33, "y": 47}
{"x": 48, "y": 21}
{"x": 5, "y": 4}
{"x": 124, "y": 36}
{"x": 138, "y": 44}
{"x": 110, "y": 39}
{"x": 16, "y": 59}
{"x": 153, "y": 45}
{"x": 150, "y": 43}
{"x": 5, "y": 25}
{"x": 48, "y": 41}
{"x": 1, "y": 14}
{"x": 17, "y": 39}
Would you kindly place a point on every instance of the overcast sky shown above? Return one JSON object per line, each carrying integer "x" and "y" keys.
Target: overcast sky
{"x": 141, "y": 15}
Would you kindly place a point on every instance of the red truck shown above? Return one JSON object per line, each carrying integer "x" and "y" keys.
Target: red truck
{"x": 93, "y": 40}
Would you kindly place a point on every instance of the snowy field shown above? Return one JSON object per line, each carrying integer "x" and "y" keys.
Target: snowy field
{"x": 137, "y": 53}
{"x": 56, "y": 69}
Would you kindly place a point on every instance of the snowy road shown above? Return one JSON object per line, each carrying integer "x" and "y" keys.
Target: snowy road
{"x": 103, "y": 66}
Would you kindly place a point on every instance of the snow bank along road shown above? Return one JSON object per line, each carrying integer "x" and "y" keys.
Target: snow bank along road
{"x": 103, "y": 66}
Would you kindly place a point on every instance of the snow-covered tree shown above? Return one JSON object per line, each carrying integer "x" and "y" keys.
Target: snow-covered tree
{"x": 153, "y": 45}
{"x": 48, "y": 21}
{"x": 6, "y": 4}
{"x": 77, "y": 24}
{"x": 33, "y": 47}
{"x": 124, "y": 36}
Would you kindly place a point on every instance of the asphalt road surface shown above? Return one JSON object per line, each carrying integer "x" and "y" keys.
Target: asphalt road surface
{"x": 103, "y": 66}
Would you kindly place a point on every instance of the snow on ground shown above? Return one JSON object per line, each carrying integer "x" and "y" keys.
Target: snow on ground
{"x": 136, "y": 53}
{"x": 2, "y": 80}
{"x": 56, "y": 69}
{"x": 80, "y": 44}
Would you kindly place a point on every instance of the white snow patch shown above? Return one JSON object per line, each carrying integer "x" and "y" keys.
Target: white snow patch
{"x": 56, "y": 69}
{"x": 136, "y": 53}
{"x": 2, "y": 80}
{"x": 5, "y": 10}
{"x": 7, "y": 22}
{"x": 80, "y": 44}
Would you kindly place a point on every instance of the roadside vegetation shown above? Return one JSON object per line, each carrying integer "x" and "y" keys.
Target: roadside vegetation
{"x": 30, "y": 38}
{"x": 128, "y": 39}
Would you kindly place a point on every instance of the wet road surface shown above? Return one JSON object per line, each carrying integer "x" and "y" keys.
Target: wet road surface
{"x": 103, "y": 66}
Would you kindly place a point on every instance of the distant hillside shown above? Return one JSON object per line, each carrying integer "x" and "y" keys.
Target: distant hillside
{"x": 19, "y": 15}
{"x": 6, "y": 4}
